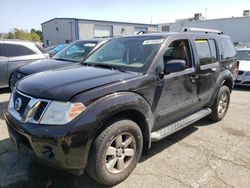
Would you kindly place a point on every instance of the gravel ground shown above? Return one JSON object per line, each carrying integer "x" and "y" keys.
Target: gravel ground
{"x": 204, "y": 154}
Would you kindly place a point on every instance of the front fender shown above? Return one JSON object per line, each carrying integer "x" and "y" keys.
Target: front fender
{"x": 98, "y": 112}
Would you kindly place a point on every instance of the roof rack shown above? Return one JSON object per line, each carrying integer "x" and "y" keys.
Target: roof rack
{"x": 191, "y": 29}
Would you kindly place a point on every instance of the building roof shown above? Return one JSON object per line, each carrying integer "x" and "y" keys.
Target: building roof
{"x": 103, "y": 21}
{"x": 207, "y": 20}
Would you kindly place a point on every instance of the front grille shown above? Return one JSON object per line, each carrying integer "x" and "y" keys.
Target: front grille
{"x": 240, "y": 72}
{"x": 40, "y": 110}
{"x": 26, "y": 108}
{"x": 25, "y": 101}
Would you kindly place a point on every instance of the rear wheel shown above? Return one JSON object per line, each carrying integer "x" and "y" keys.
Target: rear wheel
{"x": 115, "y": 152}
{"x": 221, "y": 104}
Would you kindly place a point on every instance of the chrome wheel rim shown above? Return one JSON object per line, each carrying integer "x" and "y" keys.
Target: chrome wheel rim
{"x": 223, "y": 102}
{"x": 120, "y": 153}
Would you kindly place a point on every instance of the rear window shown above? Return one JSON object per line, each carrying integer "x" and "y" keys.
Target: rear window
{"x": 243, "y": 54}
{"x": 18, "y": 50}
{"x": 228, "y": 49}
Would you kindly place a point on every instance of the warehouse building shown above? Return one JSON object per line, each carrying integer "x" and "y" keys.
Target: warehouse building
{"x": 65, "y": 30}
{"x": 238, "y": 28}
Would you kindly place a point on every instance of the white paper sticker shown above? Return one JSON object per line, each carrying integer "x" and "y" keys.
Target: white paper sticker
{"x": 154, "y": 41}
{"x": 89, "y": 44}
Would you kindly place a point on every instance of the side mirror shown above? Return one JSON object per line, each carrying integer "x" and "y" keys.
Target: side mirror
{"x": 174, "y": 66}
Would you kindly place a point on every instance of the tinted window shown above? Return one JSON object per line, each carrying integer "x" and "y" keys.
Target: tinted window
{"x": 18, "y": 50}
{"x": 204, "y": 52}
{"x": 228, "y": 49}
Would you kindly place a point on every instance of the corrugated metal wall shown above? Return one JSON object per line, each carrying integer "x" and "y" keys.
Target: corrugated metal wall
{"x": 237, "y": 28}
{"x": 86, "y": 30}
{"x": 58, "y": 31}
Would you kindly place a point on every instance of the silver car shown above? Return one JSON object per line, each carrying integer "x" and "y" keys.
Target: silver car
{"x": 243, "y": 77}
{"x": 14, "y": 53}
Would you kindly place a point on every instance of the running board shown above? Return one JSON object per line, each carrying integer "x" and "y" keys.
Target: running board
{"x": 169, "y": 129}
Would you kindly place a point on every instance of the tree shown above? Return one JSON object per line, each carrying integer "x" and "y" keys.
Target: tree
{"x": 24, "y": 35}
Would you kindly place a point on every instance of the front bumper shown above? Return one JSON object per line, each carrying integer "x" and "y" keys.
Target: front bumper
{"x": 51, "y": 145}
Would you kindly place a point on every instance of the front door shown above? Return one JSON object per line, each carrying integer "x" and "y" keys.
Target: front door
{"x": 177, "y": 92}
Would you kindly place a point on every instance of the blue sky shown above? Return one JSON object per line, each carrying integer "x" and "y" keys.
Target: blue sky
{"x": 27, "y": 14}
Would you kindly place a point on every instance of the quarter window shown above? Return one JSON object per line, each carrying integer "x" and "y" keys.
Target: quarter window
{"x": 18, "y": 50}
{"x": 206, "y": 50}
{"x": 228, "y": 49}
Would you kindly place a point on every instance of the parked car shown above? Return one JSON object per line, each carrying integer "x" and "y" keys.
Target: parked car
{"x": 53, "y": 51}
{"x": 131, "y": 91}
{"x": 72, "y": 54}
{"x": 243, "y": 78}
{"x": 14, "y": 53}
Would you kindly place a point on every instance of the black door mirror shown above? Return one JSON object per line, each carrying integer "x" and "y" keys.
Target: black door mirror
{"x": 174, "y": 66}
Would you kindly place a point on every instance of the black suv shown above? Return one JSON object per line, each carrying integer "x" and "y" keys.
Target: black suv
{"x": 131, "y": 91}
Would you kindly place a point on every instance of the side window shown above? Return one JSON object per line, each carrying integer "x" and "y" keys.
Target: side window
{"x": 228, "y": 49}
{"x": 2, "y": 51}
{"x": 18, "y": 50}
{"x": 206, "y": 50}
{"x": 178, "y": 49}
{"x": 213, "y": 50}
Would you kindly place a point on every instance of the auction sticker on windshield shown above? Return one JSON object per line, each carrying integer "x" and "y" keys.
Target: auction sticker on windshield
{"x": 155, "y": 41}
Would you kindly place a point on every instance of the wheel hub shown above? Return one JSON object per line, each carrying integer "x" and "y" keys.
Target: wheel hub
{"x": 120, "y": 152}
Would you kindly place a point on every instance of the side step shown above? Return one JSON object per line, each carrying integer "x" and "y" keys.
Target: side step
{"x": 169, "y": 129}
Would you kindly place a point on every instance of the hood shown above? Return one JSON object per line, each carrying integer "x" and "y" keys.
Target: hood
{"x": 244, "y": 65}
{"x": 65, "y": 83}
{"x": 42, "y": 65}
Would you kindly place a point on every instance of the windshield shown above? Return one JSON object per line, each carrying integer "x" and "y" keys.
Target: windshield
{"x": 243, "y": 54}
{"x": 76, "y": 51}
{"x": 128, "y": 54}
{"x": 59, "y": 47}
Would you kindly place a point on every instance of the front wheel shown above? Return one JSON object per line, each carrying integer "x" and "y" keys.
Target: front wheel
{"x": 221, "y": 104}
{"x": 115, "y": 152}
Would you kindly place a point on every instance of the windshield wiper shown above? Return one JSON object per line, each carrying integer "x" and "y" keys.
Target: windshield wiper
{"x": 103, "y": 65}
{"x": 61, "y": 59}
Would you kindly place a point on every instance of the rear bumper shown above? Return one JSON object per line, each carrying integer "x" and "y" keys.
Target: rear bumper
{"x": 59, "y": 150}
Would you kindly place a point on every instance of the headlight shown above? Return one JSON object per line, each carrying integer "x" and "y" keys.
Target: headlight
{"x": 59, "y": 113}
{"x": 19, "y": 75}
{"x": 247, "y": 73}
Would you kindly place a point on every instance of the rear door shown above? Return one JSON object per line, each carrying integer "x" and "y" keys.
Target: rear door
{"x": 208, "y": 65}
{"x": 3, "y": 65}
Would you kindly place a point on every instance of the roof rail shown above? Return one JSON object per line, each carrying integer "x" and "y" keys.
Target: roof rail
{"x": 191, "y": 29}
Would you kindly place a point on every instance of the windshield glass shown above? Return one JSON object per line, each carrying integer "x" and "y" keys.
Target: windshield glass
{"x": 59, "y": 47}
{"x": 76, "y": 51}
{"x": 129, "y": 54}
{"x": 243, "y": 54}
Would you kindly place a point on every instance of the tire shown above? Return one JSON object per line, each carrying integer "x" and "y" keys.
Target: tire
{"x": 121, "y": 132}
{"x": 220, "y": 105}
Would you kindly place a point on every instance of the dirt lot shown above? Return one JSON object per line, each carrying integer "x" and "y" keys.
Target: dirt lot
{"x": 201, "y": 155}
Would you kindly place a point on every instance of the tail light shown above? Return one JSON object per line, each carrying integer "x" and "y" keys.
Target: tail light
{"x": 237, "y": 66}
